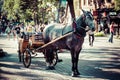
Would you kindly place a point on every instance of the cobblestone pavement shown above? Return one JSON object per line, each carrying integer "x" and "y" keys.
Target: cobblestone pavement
{"x": 100, "y": 62}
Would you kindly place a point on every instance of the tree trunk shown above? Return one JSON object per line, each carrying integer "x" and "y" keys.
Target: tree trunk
{"x": 58, "y": 11}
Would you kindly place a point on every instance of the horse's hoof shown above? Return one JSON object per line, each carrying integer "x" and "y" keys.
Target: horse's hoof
{"x": 48, "y": 68}
{"x": 75, "y": 74}
{"x": 78, "y": 73}
{"x": 52, "y": 68}
{"x": 59, "y": 60}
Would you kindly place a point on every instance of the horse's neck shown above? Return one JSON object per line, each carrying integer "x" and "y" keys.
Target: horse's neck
{"x": 80, "y": 26}
{"x": 80, "y": 22}
{"x": 67, "y": 29}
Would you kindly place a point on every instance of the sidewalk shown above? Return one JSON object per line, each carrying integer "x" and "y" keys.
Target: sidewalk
{"x": 100, "y": 62}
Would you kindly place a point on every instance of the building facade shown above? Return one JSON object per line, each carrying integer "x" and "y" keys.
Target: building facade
{"x": 92, "y": 5}
{"x": 99, "y": 8}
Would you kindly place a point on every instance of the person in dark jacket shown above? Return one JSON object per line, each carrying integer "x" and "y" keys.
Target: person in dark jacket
{"x": 17, "y": 30}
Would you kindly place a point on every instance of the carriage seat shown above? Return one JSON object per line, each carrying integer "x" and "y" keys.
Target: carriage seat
{"x": 36, "y": 40}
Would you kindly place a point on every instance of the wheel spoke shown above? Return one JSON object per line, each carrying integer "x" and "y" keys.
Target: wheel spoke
{"x": 26, "y": 58}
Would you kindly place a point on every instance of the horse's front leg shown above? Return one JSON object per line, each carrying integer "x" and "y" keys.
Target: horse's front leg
{"x": 75, "y": 58}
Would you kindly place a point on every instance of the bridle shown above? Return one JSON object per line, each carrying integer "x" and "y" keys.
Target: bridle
{"x": 84, "y": 17}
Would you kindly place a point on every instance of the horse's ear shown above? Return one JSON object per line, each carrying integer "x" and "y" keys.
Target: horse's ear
{"x": 83, "y": 11}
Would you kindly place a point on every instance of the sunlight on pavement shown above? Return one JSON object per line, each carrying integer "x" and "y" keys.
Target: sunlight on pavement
{"x": 94, "y": 61}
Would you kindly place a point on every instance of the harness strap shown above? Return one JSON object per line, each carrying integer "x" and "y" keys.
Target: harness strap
{"x": 78, "y": 35}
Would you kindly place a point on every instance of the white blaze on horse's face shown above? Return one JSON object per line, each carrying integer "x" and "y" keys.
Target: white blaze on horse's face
{"x": 89, "y": 20}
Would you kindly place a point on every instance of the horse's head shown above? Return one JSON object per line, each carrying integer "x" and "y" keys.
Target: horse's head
{"x": 89, "y": 20}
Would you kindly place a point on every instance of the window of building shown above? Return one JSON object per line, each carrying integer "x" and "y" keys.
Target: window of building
{"x": 89, "y": 2}
{"x": 109, "y": 1}
{"x": 79, "y": 4}
{"x": 84, "y": 2}
{"x": 102, "y": 1}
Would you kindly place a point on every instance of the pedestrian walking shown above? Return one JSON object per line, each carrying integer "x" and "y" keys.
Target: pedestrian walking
{"x": 17, "y": 29}
{"x": 22, "y": 30}
{"x": 8, "y": 31}
{"x": 91, "y": 37}
{"x": 111, "y": 32}
{"x": 13, "y": 32}
{"x": 30, "y": 29}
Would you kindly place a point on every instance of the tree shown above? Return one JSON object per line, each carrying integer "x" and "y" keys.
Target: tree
{"x": 117, "y": 4}
{"x": 36, "y": 10}
{"x": 11, "y": 7}
{"x": 117, "y": 8}
{"x": 1, "y": 3}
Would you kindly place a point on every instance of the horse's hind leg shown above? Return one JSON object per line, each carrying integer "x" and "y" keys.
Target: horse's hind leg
{"x": 49, "y": 59}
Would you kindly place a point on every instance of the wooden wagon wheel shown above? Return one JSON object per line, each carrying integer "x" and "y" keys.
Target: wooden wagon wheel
{"x": 27, "y": 58}
{"x": 55, "y": 55}
{"x": 22, "y": 45}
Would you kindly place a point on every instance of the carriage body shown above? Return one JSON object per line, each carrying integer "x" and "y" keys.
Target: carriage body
{"x": 36, "y": 40}
{"x": 26, "y": 45}
{"x": 33, "y": 41}
{"x": 27, "y": 48}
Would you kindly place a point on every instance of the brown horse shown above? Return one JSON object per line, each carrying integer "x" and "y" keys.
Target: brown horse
{"x": 72, "y": 42}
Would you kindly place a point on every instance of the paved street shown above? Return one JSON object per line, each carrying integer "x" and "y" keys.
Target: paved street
{"x": 100, "y": 62}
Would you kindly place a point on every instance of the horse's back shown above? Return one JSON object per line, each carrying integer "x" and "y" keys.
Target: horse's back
{"x": 52, "y": 31}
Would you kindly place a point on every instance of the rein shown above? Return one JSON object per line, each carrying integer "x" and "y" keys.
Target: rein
{"x": 80, "y": 26}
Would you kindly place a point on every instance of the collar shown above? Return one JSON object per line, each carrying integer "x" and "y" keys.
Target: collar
{"x": 78, "y": 35}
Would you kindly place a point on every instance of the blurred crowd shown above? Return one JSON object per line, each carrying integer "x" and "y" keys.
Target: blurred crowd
{"x": 17, "y": 29}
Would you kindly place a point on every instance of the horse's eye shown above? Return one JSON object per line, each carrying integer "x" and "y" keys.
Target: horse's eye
{"x": 88, "y": 17}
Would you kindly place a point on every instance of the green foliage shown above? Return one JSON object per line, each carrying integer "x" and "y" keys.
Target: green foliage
{"x": 1, "y": 3}
{"x": 11, "y": 7}
{"x": 27, "y": 9}
{"x": 117, "y": 4}
{"x": 99, "y": 34}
